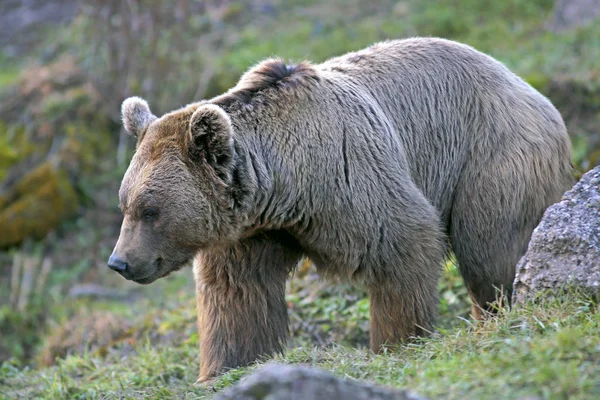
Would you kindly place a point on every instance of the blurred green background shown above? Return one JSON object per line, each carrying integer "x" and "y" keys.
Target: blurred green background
{"x": 65, "y": 68}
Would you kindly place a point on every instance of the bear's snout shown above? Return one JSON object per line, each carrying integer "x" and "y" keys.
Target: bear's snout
{"x": 132, "y": 269}
{"x": 117, "y": 264}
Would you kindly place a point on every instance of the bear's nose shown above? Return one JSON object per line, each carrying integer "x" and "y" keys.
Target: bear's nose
{"x": 116, "y": 264}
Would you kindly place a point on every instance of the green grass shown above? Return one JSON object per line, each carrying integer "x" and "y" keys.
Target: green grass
{"x": 10, "y": 70}
{"x": 8, "y": 75}
{"x": 513, "y": 31}
{"x": 550, "y": 350}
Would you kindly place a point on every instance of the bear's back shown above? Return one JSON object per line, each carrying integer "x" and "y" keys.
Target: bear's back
{"x": 445, "y": 99}
{"x": 428, "y": 103}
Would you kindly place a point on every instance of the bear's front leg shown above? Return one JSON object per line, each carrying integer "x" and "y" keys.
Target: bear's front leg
{"x": 242, "y": 313}
{"x": 404, "y": 290}
{"x": 401, "y": 313}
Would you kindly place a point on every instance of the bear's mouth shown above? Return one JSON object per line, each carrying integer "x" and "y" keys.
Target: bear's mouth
{"x": 160, "y": 271}
{"x": 154, "y": 275}
{"x": 145, "y": 281}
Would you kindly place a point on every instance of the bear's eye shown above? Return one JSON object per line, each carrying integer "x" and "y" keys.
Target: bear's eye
{"x": 149, "y": 213}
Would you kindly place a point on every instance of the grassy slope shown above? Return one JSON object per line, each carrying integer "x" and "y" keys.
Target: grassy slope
{"x": 550, "y": 350}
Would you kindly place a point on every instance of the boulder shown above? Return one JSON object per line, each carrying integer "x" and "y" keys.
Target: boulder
{"x": 564, "y": 251}
{"x": 279, "y": 382}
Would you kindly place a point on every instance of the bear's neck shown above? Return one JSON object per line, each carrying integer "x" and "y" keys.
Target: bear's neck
{"x": 260, "y": 191}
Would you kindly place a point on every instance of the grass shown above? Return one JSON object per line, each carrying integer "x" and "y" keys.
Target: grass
{"x": 8, "y": 75}
{"x": 550, "y": 350}
{"x": 9, "y": 70}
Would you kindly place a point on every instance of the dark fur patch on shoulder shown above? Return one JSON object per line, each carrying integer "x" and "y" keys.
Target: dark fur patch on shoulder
{"x": 273, "y": 73}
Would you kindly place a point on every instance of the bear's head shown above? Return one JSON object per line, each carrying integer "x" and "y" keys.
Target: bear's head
{"x": 175, "y": 194}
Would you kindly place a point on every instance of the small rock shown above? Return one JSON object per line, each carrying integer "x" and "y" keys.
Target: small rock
{"x": 283, "y": 382}
{"x": 564, "y": 250}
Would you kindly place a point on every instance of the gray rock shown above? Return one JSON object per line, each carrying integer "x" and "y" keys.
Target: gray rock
{"x": 564, "y": 250}
{"x": 284, "y": 382}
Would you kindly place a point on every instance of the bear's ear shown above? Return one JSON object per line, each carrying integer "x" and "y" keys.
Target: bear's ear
{"x": 136, "y": 115}
{"x": 211, "y": 136}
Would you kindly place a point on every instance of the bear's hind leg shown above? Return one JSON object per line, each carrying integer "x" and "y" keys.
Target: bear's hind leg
{"x": 488, "y": 237}
{"x": 242, "y": 314}
{"x": 496, "y": 207}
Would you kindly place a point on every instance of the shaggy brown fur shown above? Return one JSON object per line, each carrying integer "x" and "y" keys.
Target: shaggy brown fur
{"x": 369, "y": 164}
{"x": 252, "y": 272}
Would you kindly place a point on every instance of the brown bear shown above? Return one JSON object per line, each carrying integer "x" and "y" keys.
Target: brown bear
{"x": 375, "y": 165}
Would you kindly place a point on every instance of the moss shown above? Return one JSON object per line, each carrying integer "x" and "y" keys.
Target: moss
{"x": 14, "y": 147}
{"x": 66, "y": 127}
{"x": 8, "y": 156}
{"x": 35, "y": 205}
